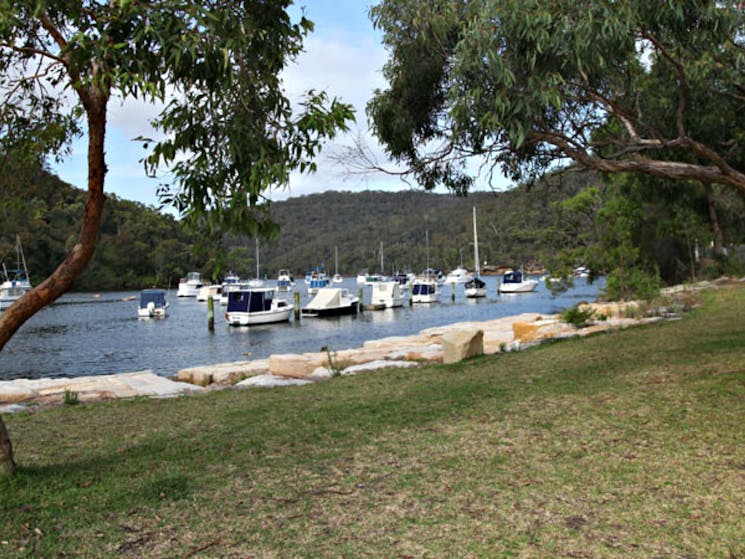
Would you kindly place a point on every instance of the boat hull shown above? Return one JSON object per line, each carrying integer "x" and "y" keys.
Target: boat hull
{"x": 523, "y": 287}
{"x": 254, "y": 318}
{"x": 331, "y": 311}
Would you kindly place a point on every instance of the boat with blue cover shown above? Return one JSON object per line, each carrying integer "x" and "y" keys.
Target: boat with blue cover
{"x": 247, "y": 307}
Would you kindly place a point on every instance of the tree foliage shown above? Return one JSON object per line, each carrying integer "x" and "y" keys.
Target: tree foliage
{"x": 634, "y": 86}
{"x": 231, "y": 133}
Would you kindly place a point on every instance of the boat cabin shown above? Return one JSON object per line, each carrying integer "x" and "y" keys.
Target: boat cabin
{"x": 512, "y": 277}
{"x": 250, "y": 301}
{"x": 424, "y": 289}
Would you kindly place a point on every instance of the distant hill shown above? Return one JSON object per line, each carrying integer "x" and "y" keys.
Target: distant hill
{"x": 513, "y": 228}
{"x": 139, "y": 247}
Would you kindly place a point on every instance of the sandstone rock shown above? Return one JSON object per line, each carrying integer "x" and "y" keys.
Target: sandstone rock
{"x": 321, "y": 374}
{"x": 459, "y": 345}
{"x": 223, "y": 373}
{"x": 270, "y": 380}
{"x": 292, "y": 365}
{"x": 524, "y": 331}
{"x": 11, "y": 393}
{"x": 379, "y": 364}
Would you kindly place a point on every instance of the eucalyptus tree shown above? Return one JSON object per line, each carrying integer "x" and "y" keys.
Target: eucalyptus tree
{"x": 527, "y": 84}
{"x": 230, "y": 131}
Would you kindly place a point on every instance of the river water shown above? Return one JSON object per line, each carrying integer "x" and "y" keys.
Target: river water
{"x": 90, "y": 334}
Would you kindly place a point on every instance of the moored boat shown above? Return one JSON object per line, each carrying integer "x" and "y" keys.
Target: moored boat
{"x": 285, "y": 281}
{"x": 16, "y": 281}
{"x": 475, "y": 287}
{"x": 515, "y": 282}
{"x": 190, "y": 285}
{"x": 425, "y": 290}
{"x": 153, "y": 303}
{"x": 318, "y": 280}
{"x": 331, "y": 301}
{"x": 209, "y": 292}
{"x": 247, "y": 307}
{"x": 388, "y": 294}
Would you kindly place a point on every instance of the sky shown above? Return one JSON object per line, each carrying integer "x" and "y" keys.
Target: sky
{"x": 343, "y": 56}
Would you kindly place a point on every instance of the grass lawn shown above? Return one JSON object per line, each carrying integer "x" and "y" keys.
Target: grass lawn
{"x": 630, "y": 444}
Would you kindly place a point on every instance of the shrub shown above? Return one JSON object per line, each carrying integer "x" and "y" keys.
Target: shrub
{"x": 578, "y": 316}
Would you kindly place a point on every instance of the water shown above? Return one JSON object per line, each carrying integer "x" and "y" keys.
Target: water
{"x": 83, "y": 334}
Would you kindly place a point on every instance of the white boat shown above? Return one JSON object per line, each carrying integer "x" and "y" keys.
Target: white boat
{"x": 475, "y": 287}
{"x": 190, "y": 285}
{"x": 372, "y": 279}
{"x": 387, "y": 293}
{"x": 209, "y": 292}
{"x": 331, "y": 301}
{"x": 361, "y": 277}
{"x": 425, "y": 289}
{"x": 228, "y": 288}
{"x": 318, "y": 280}
{"x": 337, "y": 278}
{"x": 153, "y": 303}
{"x": 16, "y": 281}
{"x": 248, "y": 307}
{"x": 285, "y": 281}
{"x": 458, "y": 275}
{"x": 515, "y": 282}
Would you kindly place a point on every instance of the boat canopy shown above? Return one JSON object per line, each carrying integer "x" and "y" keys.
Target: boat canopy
{"x": 475, "y": 283}
{"x": 250, "y": 300}
{"x": 424, "y": 289}
{"x": 512, "y": 277}
{"x": 155, "y": 296}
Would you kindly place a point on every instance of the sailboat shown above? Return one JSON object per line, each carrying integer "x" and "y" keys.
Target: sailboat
{"x": 475, "y": 287}
{"x": 371, "y": 279}
{"x": 337, "y": 276}
{"x": 425, "y": 288}
{"x": 16, "y": 281}
{"x": 257, "y": 281}
{"x": 459, "y": 274}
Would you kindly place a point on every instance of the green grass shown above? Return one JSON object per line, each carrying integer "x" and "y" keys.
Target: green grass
{"x": 622, "y": 445}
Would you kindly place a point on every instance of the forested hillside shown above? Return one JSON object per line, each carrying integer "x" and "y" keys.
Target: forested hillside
{"x": 140, "y": 247}
{"x": 137, "y": 246}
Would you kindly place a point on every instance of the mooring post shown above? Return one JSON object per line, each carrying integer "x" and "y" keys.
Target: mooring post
{"x": 297, "y": 305}
{"x": 361, "y": 295}
{"x": 210, "y": 313}
{"x": 452, "y": 295}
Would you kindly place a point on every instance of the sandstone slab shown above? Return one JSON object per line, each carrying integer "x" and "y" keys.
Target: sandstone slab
{"x": 462, "y": 344}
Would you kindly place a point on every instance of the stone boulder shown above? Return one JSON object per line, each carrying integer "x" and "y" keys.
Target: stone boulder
{"x": 461, "y": 344}
{"x": 223, "y": 373}
{"x": 293, "y": 365}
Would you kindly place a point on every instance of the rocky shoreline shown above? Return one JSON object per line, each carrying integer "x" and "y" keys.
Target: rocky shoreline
{"x": 443, "y": 344}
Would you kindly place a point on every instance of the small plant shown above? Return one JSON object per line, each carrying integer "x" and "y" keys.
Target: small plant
{"x": 503, "y": 347}
{"x": 578, "y": 316}
{"x": 334, "y": 366}
{"x": 71, "y": 398}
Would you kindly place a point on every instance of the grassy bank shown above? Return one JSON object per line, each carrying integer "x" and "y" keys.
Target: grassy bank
{"x": 622, "y": 445}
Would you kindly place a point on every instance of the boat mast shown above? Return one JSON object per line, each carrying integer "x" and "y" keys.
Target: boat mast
{"x": 257, "y": 258}
{"x": 336, "y": 261}
{"x": 476, "y": 266}
{"x": 19, "y": 254}
{"x": 382, "y": 270}
{"x": 426, "y": 243}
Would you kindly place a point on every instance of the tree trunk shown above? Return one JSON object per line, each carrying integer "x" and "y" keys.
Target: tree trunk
{"x": 715, "y": 225}
{"x": 77, "y": 259}
{"x": 62, "y": 279}
{"x": 7, "y": 465}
